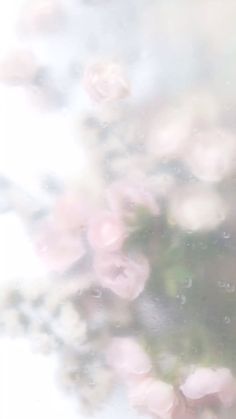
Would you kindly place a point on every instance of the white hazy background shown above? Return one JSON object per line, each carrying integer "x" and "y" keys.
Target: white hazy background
{"x": 31, "y": 144}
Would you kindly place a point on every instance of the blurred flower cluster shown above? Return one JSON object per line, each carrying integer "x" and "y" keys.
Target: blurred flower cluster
{"x": 126, "y": 192}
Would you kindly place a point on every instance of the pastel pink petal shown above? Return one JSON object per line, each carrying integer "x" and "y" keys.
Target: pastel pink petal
{"x": 71, "y": 212}
{"x": 161, "y": 399}
{"x": 106, "y": 231}
{"x": 124, "y": 197}
{"x": 227, "y": 387}
{"x": 201, "y": 383}
{"x": 59, "y": 251}
{"x": 128, "y": 290}
{"x": 126, "y": 356}
{"x": 138, "y": 391}
{"x": 124, "y": 275}
{"x": 105, "y": 81}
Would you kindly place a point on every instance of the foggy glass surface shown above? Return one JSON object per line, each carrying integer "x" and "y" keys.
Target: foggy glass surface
{"x": 117, "y": 209}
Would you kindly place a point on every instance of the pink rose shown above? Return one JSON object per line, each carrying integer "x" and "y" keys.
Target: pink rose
{"x": 106, "y": 82}
{"x": 127, "y": 358}
{"x": 106, "y": 231}
{"x": 59, "y": 250}
{"x": 125, "y": 275}
{"x": 207, "y": 381}
{"x": 154, "y": 396}
{"x": 124, "y": 197}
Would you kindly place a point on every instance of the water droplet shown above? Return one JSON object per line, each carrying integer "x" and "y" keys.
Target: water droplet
{"x": 221, "y": 284}
{"x": 221, "y": 217}
{"x": 227, "y": 320}
{"x": 188, "y": 283}
{"x": 226, "y": 235}
{"x": 181, "y": 298}
{"x": 96, "y": 293}
{"x": 230, "y": 288}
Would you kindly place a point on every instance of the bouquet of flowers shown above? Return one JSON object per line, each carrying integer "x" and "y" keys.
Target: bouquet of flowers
{"x": 134, "y": 222}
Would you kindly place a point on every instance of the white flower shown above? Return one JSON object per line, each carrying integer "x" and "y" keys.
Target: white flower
{"x": 211, "y": 155}
{"x": 169, "y": 133}
{"x": 69, "y": 326}
{"x": 197, "y": 209}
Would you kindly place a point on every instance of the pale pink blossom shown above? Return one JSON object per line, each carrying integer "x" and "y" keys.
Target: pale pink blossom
{"x": 207, "y": 381}
{"x": 106, "y": 81}
{"x": 59, "y": 250}
{"x": 19, "y": 66}
{"x": 127, "y": 358}
{"x": 197, "y": 208}
{"x": 71, "y": 212}
{"x": 126, "y": 196}
{"x": 200, "y": 384}
{"x": 169, "y": 133}
{"x": 106, "y": 231}
{"x": 42, "y": 15}
{"x": 227, "y": 387}
{"x": 154, "y": 396}
{"x": 137, "y": 391}
{"x": 211, "y": 155}
{"x": 123, "y": 274}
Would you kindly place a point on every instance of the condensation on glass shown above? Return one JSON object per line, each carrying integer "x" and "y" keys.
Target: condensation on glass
{"x": 117, "y": 209}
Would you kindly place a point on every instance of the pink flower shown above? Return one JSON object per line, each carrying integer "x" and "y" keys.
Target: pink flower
{"x": 197, "y": 208}
{"x": 124, "y": 197}
{"x": 106, "y": 81}
{"x": 211, "y": 155}
{"x": 71, "y": 212}
{"x": 200, "y": 384}
{"x": 20, "y": 66}
{"x": 125, "y": 275}
{"x": 127, "y": 358}
{"x": 227, "y": 387}
{"x": 169, "y": 133}
{"x": 206, "y": 381}
{"x": 154, "y": 396}
{"x": 42, "y": 15}
{"x": 106, "y": 231}
{"x": 59, "y": 250}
